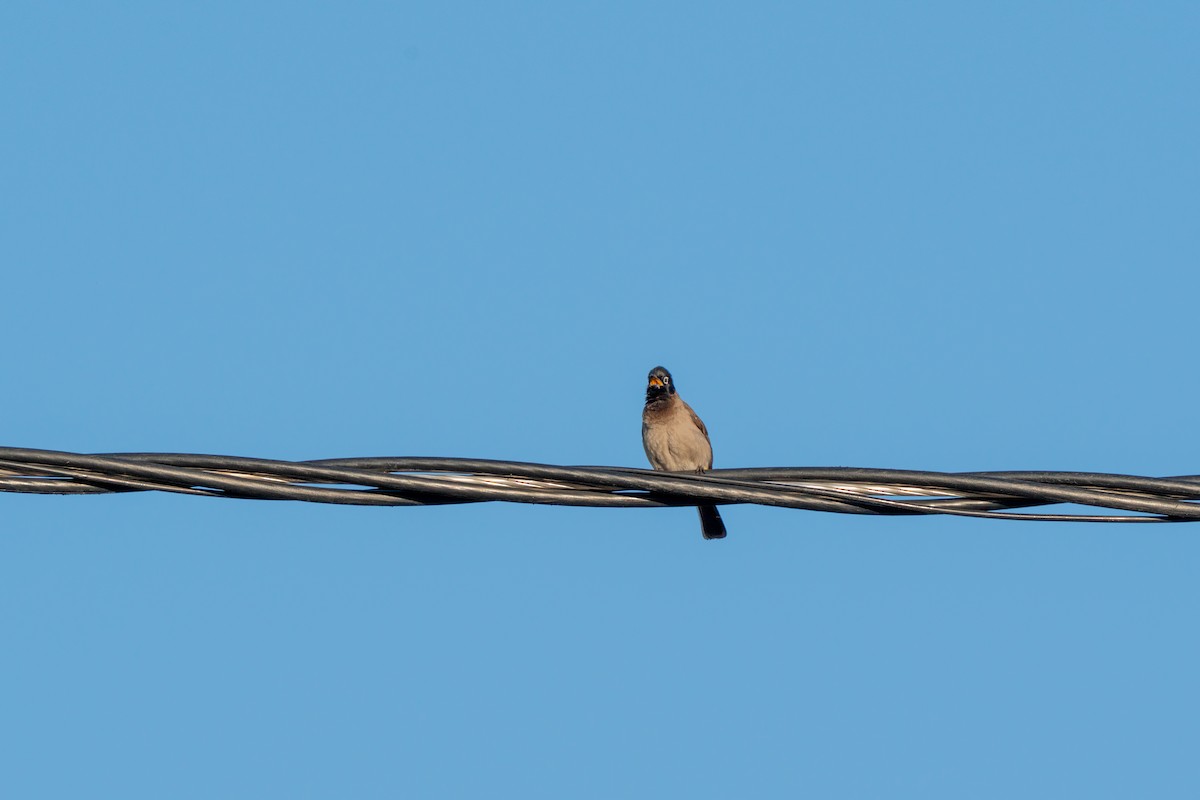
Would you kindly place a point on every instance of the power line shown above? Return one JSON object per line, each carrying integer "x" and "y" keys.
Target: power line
{"x": 441, "y": 481}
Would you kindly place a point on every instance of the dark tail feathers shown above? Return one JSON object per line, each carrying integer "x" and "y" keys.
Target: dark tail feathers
{"x": 710, "y": 523}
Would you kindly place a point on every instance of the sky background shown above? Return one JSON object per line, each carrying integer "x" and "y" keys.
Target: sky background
{"x": 937, "y": 236}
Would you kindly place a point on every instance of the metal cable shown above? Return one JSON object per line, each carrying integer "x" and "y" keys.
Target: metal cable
{"x": 440, "y": 481}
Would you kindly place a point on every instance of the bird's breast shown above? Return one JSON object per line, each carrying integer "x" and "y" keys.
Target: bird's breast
{"x": 673, "y": 442}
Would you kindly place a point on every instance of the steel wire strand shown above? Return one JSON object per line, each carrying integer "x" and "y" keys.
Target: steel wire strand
{"x": 434, "y": 480}
{"x": 706, "y": 485}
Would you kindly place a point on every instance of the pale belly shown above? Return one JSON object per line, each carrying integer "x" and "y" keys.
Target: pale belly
{"x": 676, "y": 448}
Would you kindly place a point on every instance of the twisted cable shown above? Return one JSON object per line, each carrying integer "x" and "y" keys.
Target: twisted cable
{"x": 413, "y": 481}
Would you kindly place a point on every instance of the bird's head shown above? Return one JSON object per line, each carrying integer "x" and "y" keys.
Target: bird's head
{"x": 659, "y": 384}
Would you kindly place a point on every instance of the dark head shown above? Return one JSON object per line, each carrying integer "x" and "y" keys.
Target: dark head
{"x": 659, "y": 384}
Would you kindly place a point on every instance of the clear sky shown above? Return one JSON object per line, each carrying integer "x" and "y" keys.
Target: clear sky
{"x": 952, "y": 236}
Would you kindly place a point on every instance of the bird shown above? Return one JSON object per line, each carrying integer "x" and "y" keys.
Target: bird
{"x": 677, "y": 441}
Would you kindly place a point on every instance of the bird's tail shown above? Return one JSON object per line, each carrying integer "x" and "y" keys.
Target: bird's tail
{"x": 710, "y": 523}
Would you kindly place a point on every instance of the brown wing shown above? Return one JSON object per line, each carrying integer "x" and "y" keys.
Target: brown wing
{"x": 699, "y": 423}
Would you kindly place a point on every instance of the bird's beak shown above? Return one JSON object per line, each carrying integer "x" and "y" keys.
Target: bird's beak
{"x": 655, "y": 381}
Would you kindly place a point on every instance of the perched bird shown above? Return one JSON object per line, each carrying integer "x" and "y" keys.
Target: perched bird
{"x": 677, "y": 441}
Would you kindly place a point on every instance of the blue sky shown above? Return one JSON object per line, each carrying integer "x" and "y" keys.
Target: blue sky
{"x": 933, "y": 236}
